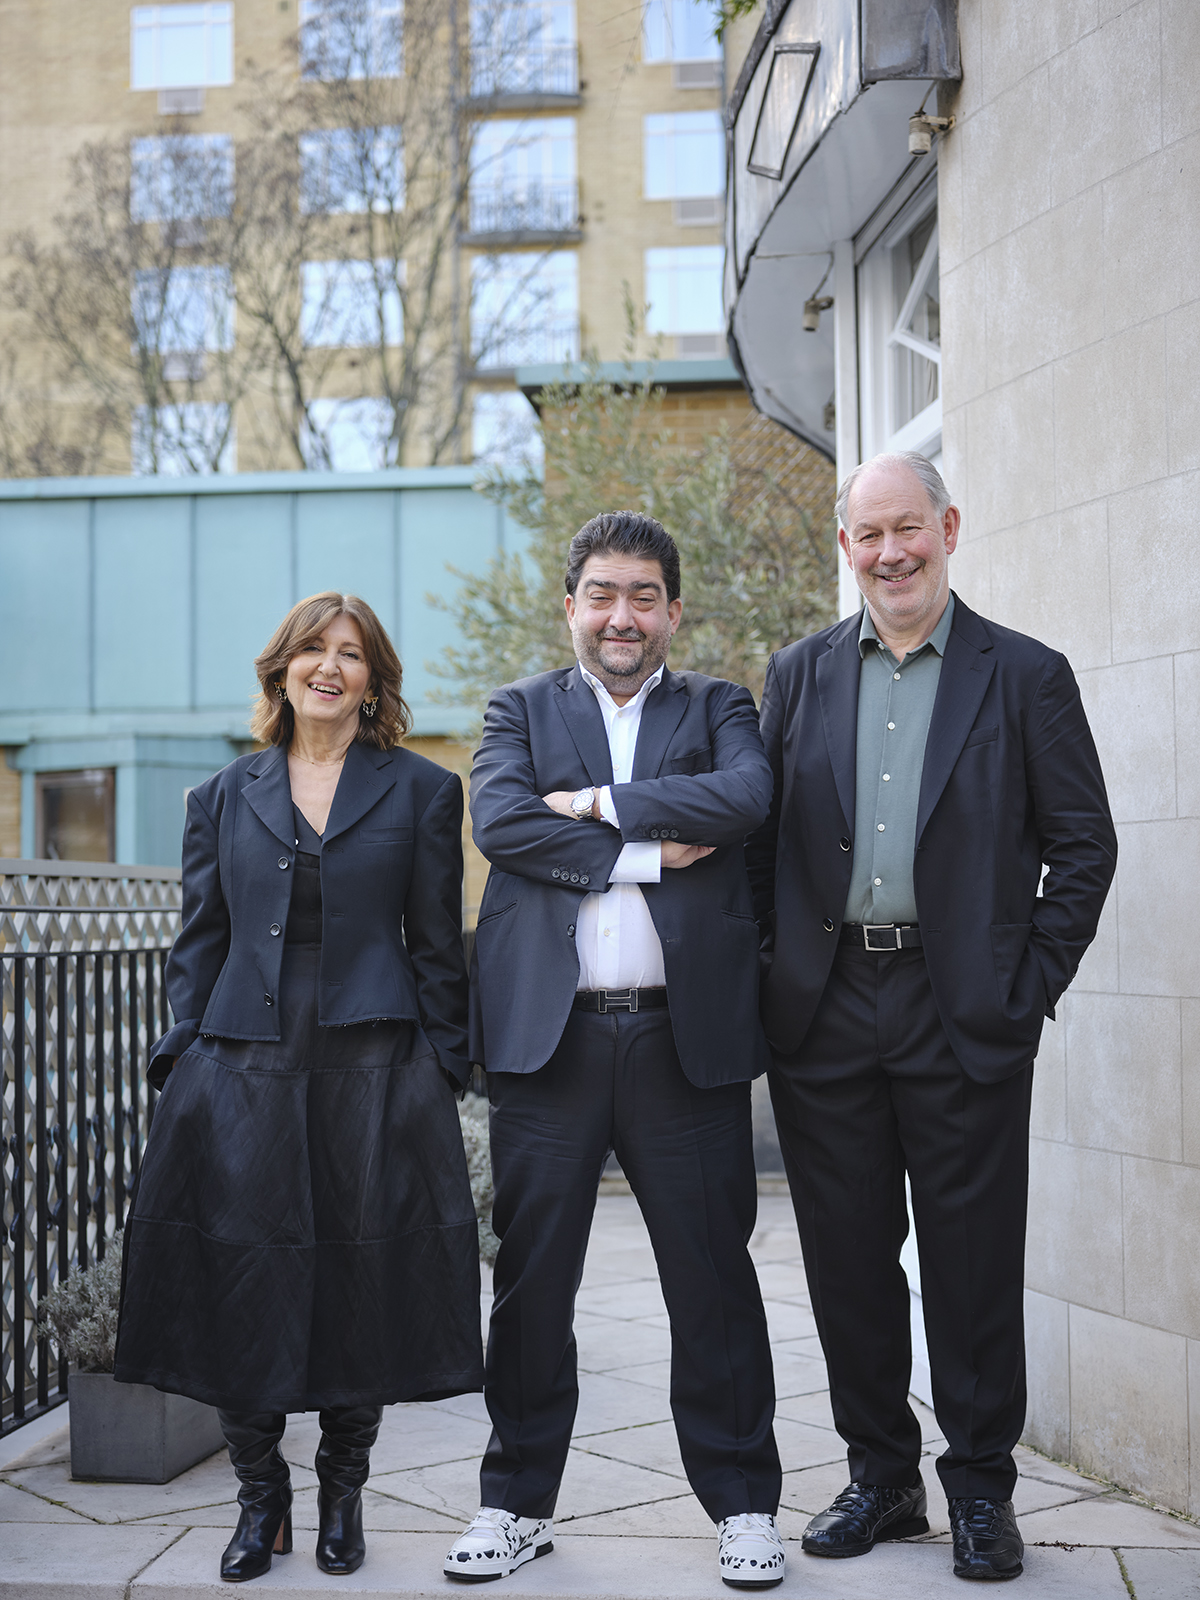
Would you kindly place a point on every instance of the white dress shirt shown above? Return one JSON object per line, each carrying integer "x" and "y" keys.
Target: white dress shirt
{"x": 614, "y": 934}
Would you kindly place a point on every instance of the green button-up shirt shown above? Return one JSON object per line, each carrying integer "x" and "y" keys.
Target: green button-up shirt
{"x": 895, "y": 704}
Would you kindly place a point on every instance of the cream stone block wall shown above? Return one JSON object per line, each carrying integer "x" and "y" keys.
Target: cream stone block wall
{"x": 1069, "y": 198}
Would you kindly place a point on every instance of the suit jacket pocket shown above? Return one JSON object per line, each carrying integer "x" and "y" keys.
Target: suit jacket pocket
{"x": 983, "y": 736}
{"x": 500, "y": 911}
{"x": 386, "y": 835}
{"x": 1019, "y": 982}
{"x": 691, "y": 762}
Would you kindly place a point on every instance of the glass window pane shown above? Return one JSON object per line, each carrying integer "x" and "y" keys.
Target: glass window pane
{"x": 683, "y": 288}
{"x": 183, "y": 440}
{"x": 349, "y": 436}
{"x": 343, "y": 302}
{"x": 684, "y": 155}
{"x": 679, "y": 30}
{"x": 75, "y": 816}
{"x": 525, "y": 309}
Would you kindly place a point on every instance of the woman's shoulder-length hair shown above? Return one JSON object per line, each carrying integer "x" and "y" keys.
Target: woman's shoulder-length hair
{"x": 274, "y": 721}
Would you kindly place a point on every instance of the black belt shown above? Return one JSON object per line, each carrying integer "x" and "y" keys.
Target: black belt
{"x": 881, "y": 936}
{"x": 606, "y": 1000}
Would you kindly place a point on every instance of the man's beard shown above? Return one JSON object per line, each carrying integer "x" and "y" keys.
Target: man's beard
{"x": 629, "y": 664}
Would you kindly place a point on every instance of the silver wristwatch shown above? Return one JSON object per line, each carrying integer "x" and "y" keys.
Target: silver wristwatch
{"x": 582, "y": 803}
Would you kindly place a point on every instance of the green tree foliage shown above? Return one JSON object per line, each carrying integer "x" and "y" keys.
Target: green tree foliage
{"x": 758, "y": 568}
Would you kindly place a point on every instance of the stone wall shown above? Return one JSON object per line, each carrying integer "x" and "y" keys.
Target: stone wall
{"x": 1069, "y": 196}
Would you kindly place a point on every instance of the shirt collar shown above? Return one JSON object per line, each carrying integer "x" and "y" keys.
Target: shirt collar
{"x": 639, "y": 699}
{"x": 868, "y": 637}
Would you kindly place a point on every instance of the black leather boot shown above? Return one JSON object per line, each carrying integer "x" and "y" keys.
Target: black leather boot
{"x": 343, "y": 1462}
{"x": 265, "y": 1495}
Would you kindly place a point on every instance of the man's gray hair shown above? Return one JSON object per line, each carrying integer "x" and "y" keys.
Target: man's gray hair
{"x": 921, "y": 466}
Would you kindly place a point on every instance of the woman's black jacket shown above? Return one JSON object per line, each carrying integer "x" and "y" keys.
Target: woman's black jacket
{"x": 391, "y": 893}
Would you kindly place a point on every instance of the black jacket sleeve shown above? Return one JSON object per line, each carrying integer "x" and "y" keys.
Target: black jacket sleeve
{"x": 433, "y": 927}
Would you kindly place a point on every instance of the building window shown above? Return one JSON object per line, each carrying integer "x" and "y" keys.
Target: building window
{"x": 678, "y": 30}
{"x": 341, "y": 39}
{"x": 504, "y": 432}
{"x": 349, "y": 436}
{"x": 352, "y": 170}
{"x": 684, "y": 155}
{"x": 900, "y": 336}
{"x": 351, "y": 303}
{"x": 183, "y": 440}
{"x": 181, "y": 178}
{"x": 184, "y": 311}
{"x": 683, "y": 288}
{"x": 523, "y": 47}
{"x": 525, "y": 309}
{"x": 181, "y": 46}
{"x": 76, "y": 815}
{"x": 523, "y": 177}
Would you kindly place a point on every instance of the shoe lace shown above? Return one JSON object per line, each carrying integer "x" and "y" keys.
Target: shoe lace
{"x": 749, "y": 1522}
{"x": 493, "y": 1519}
{"x": 981, "y": 1518}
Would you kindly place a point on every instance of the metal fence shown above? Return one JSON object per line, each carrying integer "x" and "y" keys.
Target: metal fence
{"x": 534, "y": 67}
{"x": 82, "y": 998}
{"x": 549, "y": 207}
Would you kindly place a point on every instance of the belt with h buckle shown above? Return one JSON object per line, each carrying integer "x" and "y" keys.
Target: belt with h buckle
{"x": 606, "y": 1000}
{"x": 881, "y": 936}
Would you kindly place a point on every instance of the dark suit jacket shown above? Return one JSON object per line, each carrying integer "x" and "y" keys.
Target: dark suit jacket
{"x": 699, "y": 776}
{"x": 1011, "y": 781}
{"x": 391, "y": 887}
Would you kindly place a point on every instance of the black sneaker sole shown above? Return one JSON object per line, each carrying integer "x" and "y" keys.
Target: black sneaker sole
{"x": 980, "y": 1575}
{"x": 900, "y": 1530}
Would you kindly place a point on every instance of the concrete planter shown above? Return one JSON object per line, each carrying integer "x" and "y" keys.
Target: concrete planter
{"x": 130, "y": 1433}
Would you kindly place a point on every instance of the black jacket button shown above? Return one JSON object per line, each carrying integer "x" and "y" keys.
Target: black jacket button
{"x": 828, "y": 924}
{"x": 276, "y": 930}
{"x": 268, "y": 999}
{"x": 583, "y": 878}
{"x": 570, "y": 930}
{"x": 283, "y": 861}
{"x": 844, "y": 842}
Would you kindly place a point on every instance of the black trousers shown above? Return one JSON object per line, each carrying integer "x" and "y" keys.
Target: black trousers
{"x": 615, "y": 1082}
{"x": 875, "y": 1091}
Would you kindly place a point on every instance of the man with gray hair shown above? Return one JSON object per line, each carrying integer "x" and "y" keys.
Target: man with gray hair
{"x": 929, "y": 765}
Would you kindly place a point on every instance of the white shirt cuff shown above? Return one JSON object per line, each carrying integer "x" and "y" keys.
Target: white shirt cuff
{"x": 608, "y": 811}
{"x": 638, "y": 863}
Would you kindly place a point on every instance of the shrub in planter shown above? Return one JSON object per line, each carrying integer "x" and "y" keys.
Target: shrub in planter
{"x": 473, "y": 1114}
{"x": 120, "y": 1432}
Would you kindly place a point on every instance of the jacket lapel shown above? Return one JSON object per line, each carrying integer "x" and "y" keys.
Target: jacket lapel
{"x": 585, "y": 724}
{"x": 367, "y": 775}
{"x": 967, "y": 669}
{"x": 837, "y": 688}
{"x": 661, "y": 715}
{"x": 268, "y": 791}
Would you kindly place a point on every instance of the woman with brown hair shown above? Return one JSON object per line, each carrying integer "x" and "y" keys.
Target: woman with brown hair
{"x": 303, "y": 1236}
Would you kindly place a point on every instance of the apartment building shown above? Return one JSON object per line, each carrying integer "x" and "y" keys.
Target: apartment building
{"x": 462, "y": 192}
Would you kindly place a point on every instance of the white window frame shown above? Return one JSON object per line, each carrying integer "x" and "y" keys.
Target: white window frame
{"x": 666, "y": 136}
{"x": 526, "y": 171}
{"x": 663, "y": 21}
{"x": 355, "y": 435}
{"x": 665, "y": 294}
{"x": 147, "y": 25}
{"x": 184, "y": 310}
{"x": 882, "y": 330}
{"x": 524, "y": 309}
{"x": 382, "y": 21}
{"x": 195, "y": 418}
{"x": 523, "y": 46}
{"x": 155, "y": 190}
{"x": 332, "y": 161}
{"x": 354, "y": 324}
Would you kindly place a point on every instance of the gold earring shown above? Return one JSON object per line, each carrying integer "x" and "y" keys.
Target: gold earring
{"x": 370, "y": 705}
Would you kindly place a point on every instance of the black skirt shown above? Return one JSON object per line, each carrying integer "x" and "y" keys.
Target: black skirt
{"x": 303, "y": 1233}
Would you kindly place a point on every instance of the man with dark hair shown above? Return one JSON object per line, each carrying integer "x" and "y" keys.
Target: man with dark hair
{"x": 933, "y": 868}
{"x": 614, "y": 991}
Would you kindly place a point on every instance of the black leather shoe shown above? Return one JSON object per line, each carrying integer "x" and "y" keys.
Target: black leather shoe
{"x": 864, "y": 1515}
{"x": 264, "y": 1494}
{"x": 343, "y": 1462}
{"x": 986, "y": 1542}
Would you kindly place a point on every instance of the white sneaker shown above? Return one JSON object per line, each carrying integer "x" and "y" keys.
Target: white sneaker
{"x": 750, "y": 1551}
{"x": 497, "y": 1543}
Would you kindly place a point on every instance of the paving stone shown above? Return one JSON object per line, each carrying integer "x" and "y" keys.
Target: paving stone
{"x": 81, "y": 1561}
{"x": 607, "y": 1401}
{"x": 681, "y": 1518}
{"x": 18, "y": 1506}
{"x": 620, "y": 1345}
{"x": 210, "y": 1483}
{"x": 1109, "y": 1520}
{"x": 642, "y": 1299}
{"x": 788, "y": 1320}
{"x": 409, "y": 1436}
{"x": 1163, "y": 1574}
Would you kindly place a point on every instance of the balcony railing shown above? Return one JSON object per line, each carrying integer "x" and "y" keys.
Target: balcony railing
{"x": 534, "y": 208}
{"x": 555, "y": 340}
{"x": 534, "y": 69}
{"x": 82, "y": 997}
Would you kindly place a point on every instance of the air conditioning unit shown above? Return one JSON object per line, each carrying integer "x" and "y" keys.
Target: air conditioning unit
{"x": 705, "y": 212}
{"x": 183, "y": 366}
{"x": 697, "y": 74}
{"x": 699, "y": 346}
{"x": 180, "y": 102}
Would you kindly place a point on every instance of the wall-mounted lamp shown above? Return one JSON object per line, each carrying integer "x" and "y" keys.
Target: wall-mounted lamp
{"x": 813, "y": 309}
{"x": 921, "y": 130}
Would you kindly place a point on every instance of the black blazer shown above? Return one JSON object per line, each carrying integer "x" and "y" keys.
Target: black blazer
{"x": 1011, "y": 781}
{"x": 391, "y": 889}
{"x": 699, "y": 776}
